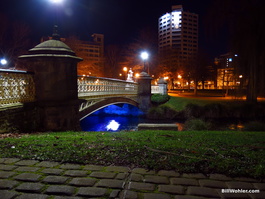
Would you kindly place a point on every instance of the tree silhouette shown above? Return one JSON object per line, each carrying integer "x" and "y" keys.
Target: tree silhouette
{"x": 245, "y": 22}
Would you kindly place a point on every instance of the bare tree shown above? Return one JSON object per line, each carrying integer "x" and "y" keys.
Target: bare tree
{"x": 14, "y": 39}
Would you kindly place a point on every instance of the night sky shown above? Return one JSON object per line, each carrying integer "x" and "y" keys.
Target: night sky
{"x": 118, "y": 20}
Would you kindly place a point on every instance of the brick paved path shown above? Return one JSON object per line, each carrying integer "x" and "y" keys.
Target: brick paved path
{"x": 30, "y": 179}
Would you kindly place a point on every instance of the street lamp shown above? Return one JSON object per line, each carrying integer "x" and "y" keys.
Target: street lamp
{"x": 3, "y": 62}
{"x": 144, "y": 56}
{"x": 125, "y": 69}
{"x": 57, "y": 1}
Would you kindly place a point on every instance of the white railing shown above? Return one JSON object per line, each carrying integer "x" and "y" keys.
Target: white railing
{"x": 155, "y": 89}
{"x": 16, "y": 87}
{"x": 90, "y": 87}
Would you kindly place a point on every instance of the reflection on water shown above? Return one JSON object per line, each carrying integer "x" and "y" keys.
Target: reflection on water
{"x": 109, "y": 123}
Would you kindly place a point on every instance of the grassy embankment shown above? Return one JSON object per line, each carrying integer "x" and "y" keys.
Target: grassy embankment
{"x": 234, "y": 153}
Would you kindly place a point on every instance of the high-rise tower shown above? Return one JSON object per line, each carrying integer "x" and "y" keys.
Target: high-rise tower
{"x": 178, "y": 40}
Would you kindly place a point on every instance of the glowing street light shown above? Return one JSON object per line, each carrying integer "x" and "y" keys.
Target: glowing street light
{"x": 144, "y": 56}
{"x": 3, "y": 62}
{"x": 57, "y": 1}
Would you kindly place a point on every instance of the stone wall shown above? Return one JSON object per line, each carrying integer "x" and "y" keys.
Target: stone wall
{"x": 19, "y": 118}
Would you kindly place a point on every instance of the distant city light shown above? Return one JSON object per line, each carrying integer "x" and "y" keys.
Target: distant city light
{"x": 113, "y": 125}
{"x": 3, "y": 61}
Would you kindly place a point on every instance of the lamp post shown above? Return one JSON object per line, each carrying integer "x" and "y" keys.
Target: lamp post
{"x": 144, "y": 56}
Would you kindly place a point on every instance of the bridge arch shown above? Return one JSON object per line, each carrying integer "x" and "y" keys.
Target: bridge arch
{"x": 104, "y": 103}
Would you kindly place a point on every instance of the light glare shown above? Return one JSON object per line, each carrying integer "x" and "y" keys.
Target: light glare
{"x": 113, "y": 125}
{"x": 144, "y": 55}
{"x": 3, "y": 61}
{"x": 56, "y": 1}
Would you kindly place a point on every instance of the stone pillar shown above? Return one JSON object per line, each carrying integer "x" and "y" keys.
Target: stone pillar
{"x": 144, "y": 91}
{"x": 162, "y": 85}
{"x": 54, "y": 66}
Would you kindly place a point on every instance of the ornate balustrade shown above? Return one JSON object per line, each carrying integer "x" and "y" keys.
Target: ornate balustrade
{"x": 91, "y": 87}
{"x": 16, "y": 87}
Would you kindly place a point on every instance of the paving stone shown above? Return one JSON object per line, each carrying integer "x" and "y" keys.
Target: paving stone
{"x": 91, "y": 191}
{"x": 47, "y": 164}
{"x": 103, "y": 175}
{"x": 189, "y": 197}
{"x": 70, "y": 166}
{"x": 66, "y": 197}
{"x": 114, "y": 193}
{"x": 174, "y": 189}
{"x": 193, "y": 175}
{"x": 2, "y": 160}
{"x": 202, "y": 191}
{"x": 136, "y": 177}
{"x": 8, "y": 194}
{"x": 93, "y": 167}
{"x": 122, "y": 176}
{"x": 260, "y": 186}
{"x": 7, "y": 167}
{"x": 243, "y": 179}
{"x": 213, "y": 183}
{"x": 143, "y": 171}
{"x": 220, "y": 177}
{"x": 168, "y": 173}
{"x": 184, "y": 181}
{"x": 83, "y": 182}
{"x": 6, "y": 174}
{"x": 26, "y": 162}
{"x": 32, "y": 196}
{"x": 127, "y": 194}
{"x": 30, "y": 187}
{"x": 55, "y": 179}
{"x": 60, "y": 190}
{"x": 11, "y": 160}
{"x": 76, "y": 173}
{"x": 30, "y": 177}
{"x": 156, "y": 196}
{"x": 260, "y": 195}
{"x": 141, "y": 186}
{"x": 118, "y": 169}
{"x": 8, "y": 184}
{"x": 111, "y": 183}
{"x": 53, "y": 171}
{"x": 28, "y": 169}
{"x": 233, "y": 195}
{"x": 239, "y": 185}
{"x": 156, "y": 179}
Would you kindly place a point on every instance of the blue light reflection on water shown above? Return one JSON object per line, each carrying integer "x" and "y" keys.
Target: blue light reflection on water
{"x": 113, "y": 118}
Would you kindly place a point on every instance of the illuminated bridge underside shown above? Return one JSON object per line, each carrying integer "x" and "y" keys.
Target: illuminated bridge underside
{"x": 92, "y": 105}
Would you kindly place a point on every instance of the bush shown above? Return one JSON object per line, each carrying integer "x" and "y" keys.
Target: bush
{"x": 254, "y": 126}
{"x": 161, "y": 112}
{"x": 193, "y": 111}
{"x": 196, "y": 125}
{"x": 159, "y": 99}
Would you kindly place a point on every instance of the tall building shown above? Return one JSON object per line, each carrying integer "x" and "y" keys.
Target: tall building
{"x": 178, "y": 40}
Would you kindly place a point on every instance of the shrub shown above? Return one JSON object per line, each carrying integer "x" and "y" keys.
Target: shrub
{"x": 159, "y": 99}
{"x": 254, "y": 126}
{"x": 161, "y": 112}
{"x": 193, "y": 111}
{"x": 214, "y": 110}
{"x": 196, "y": 125}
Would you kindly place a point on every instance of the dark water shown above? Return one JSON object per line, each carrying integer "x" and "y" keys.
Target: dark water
{"x": 121, "y": 117}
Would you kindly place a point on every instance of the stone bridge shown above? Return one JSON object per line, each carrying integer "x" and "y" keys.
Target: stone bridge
{"x": 48, "y": 95}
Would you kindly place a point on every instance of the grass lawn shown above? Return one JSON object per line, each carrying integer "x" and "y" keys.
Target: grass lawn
{"x": 232, "y": 153}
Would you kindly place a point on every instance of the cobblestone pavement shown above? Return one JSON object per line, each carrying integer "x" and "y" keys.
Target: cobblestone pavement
{"x": 30, "y": 179}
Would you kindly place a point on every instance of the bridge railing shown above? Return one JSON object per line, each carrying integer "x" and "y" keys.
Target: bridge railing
{"x": 16, "y": 87}
{"x": 91, "y": 87}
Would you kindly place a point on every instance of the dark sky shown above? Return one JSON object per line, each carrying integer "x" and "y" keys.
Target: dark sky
{"x": 118, "y": 20}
